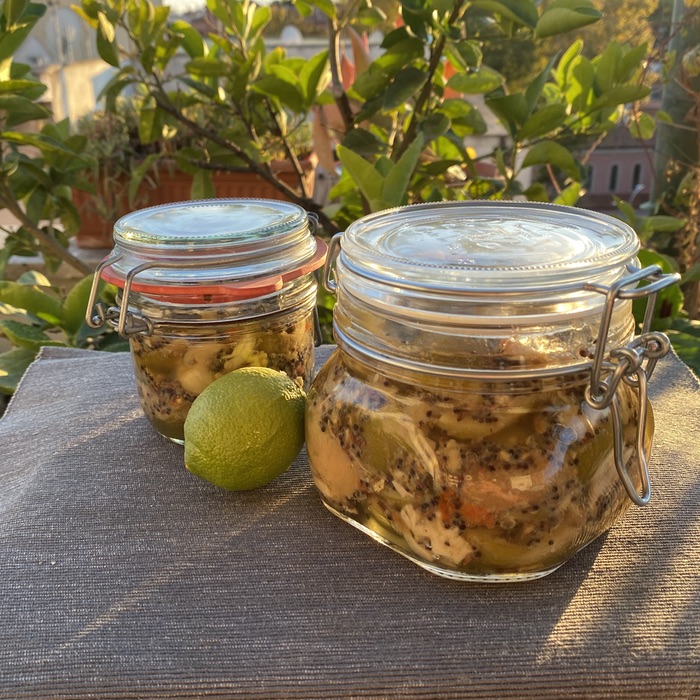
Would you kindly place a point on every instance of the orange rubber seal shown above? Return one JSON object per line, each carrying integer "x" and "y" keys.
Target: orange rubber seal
{"x": 225, "y": 291}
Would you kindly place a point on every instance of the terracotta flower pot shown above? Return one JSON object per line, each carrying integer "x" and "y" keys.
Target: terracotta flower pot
{"x": 97, "y": 219}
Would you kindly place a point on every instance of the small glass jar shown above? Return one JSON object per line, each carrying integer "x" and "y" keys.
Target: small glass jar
{"x": 485, "y": 412}
{"x": 206, "y": 287}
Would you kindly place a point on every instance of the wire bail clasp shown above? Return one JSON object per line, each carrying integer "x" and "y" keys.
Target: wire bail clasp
{"x": 127, "y": 322}
{"x": 334, "y": 249}
{"x": 96, "y": 315}
{"x": 632, "y": 364}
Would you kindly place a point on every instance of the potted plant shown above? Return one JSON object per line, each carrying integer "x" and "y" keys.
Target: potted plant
{"x": 127, "y": 173}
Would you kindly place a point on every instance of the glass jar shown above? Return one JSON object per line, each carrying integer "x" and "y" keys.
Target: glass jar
{"x": 485, "y": 411}
{"x": 206, "y": 287}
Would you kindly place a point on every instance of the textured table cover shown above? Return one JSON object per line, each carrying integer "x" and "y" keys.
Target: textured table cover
{"x": 124, "y": 576}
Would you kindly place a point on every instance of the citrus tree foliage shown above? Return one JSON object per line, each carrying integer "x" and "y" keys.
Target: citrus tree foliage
{"x": 39, "y": 165}
{"x": 397, "y": 123}
{"x": 626, "y": 21}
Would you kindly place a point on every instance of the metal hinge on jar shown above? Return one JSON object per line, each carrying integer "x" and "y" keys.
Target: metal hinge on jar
{"x": 632, "y": 364}
{"x": 126, "y": 322}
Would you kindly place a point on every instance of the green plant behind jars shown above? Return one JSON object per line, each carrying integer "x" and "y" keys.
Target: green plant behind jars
{"x": 40, "y": 161}
{"x": 228, "y": 106}
{"x": 398, "y": 122}
{"x": 33, "y": 313}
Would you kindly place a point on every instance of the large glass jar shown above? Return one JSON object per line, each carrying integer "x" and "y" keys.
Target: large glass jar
{"x": 206, "y": 287}
{"x": 485, "y": 412}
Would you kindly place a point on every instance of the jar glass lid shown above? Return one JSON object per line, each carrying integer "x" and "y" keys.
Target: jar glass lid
{"x": 240, "y": 247}
{"x": 487, "y": 246}
{"x": 216, "y": 223}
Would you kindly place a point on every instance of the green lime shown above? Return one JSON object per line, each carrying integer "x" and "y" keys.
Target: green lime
{"x": 245, "y": 428}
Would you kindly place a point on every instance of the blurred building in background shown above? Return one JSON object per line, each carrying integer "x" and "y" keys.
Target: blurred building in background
{"x": 62, "y": 54}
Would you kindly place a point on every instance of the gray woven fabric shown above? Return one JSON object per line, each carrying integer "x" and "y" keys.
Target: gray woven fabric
{"x": 124, "y": 576}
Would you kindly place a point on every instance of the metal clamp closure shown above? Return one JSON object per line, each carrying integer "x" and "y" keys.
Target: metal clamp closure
{"x": 633, "y": 364}
{"x": 334, "y": 248}
{"x": 127, "y": 322}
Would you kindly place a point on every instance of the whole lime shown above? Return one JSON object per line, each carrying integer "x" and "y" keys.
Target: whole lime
{"x": 245, "y": 428}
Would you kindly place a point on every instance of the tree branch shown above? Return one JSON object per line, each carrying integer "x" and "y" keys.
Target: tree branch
{"x": 426, "y": 91}
{"x": 46, "y": 241}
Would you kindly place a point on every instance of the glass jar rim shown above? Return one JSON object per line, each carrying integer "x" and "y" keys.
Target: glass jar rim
{"x": 207, "y": 224}
{"x": 226, "y": 248}
{"x": 487, "y": 247}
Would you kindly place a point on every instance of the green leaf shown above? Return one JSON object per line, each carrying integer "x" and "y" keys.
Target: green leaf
{"x": 663, "y": 224}
{"x": 620, "y": 95}
{"x": 563, "y": 67}
{"x": 325, "y": 6}
{"x": 191, "y": 40}
{"x": 466, "y": 119}
{"x": 13, "y": 10}
{"x": 111, "y": 91}
{"x": 570, "y": 195}
{"x": 278, "y": 88}
{"x": 404, "y": 87}
{"x": 687, "y": 347}
{"x": 22, "y": 335}
{"x": 258, "y": 20}
{"x": 511, "y": 110}
{"x": 433, "y": 125}
{"x": 32, "y": 300}
{"x": 519, "y": 11}
{"x": 19, "y": 110}
{"x": 465, "y": 53}
{"x": 558, "y": 19}
{"x": 363, "y": 142}
{"x": 106, "y": 41}
{"x": 579, "y": 90}
{"x": 397, "y": 181}
{"x": 34, "y": 277}
{"x": 606, "y": 66}
{"x": 669, "y": 301}
{"x": 310, "y": 77}
{"x": 643, "y": 127}
{"x": 537, "y": 192}
{"x": 40, "y": 141}
{"x": 200, "y": 87}
{"x": 138, "y": 174}
{"x": 542, "y": 122}
{"x": 400, "y": 55}
{"x": 207, "y": 66}
{"x": 202, "y": 185}
{"x": 364, "y": 174}
{"x": 477, "y": 82}
{"x": 303, "y": 8}
{"x": 372, "y": 83}
{"x": 534, "y": 89}
{"x": 11, "y": 38}
{"x": 10, "y": 87}
{"x": 75, "y": 305}
{"x": 631, "y": 62}
{"x": 371, "y": 17}
{"x": 628, "y": 211}
{"x": 441, "y": 6}
{"x": 552, "y": 153}
{"x": 13, "y": 365}
{"x": 150, "y": 123}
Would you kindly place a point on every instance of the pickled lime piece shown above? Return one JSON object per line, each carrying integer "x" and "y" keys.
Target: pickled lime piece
{"x": 391, "y": 440}
{"x": 495, "y": 553}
